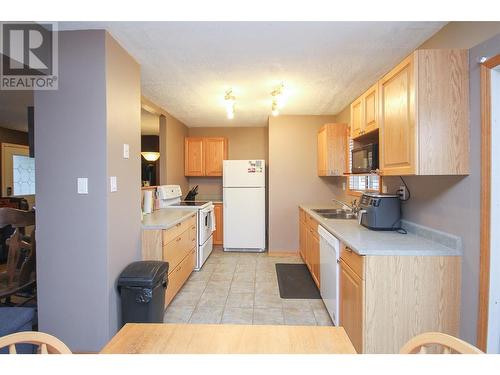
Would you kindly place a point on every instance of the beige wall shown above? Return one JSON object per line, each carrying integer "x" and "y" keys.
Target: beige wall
{"x": 150, "y": 123}
{"x": 293, "y": 177}
{"x": 451, "y": 203}
{"x": 243, "y": 143}
{"x": 176, "y": 131}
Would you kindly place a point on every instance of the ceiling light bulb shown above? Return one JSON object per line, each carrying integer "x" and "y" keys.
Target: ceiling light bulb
{"x": 275, "y": 112}
{"x": 230, "y": 115}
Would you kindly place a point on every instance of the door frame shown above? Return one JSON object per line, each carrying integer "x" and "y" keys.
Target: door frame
{"x": 485, "y": 238}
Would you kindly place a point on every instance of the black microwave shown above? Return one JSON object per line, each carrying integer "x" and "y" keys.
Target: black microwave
{"x": 365, "y": 158}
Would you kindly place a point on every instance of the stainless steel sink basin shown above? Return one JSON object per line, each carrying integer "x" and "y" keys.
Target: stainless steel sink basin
{"x": 333, "y": 213}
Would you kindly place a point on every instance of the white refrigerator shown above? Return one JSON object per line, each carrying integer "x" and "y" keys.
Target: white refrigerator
{"x": 244, "y": 189}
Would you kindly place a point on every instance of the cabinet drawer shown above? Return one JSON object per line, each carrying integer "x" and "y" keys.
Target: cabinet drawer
{"x": 179, "y": 275}
{"x": 353, "y": 260}
{"x": 177, "y": 249}
{"x": 312, "y": 224}
{"x": 176, "y": 230}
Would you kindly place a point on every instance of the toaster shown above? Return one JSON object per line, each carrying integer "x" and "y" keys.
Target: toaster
{"x": 380, "y": 211}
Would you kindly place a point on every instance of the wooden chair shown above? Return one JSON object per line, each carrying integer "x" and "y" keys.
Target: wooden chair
{"x": 47, "y": 343}
{"x": 450, "y": 344}
{"x": 19, "y": 275}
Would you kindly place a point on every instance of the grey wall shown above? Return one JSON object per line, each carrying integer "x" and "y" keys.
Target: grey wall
{"x": 123, "y": 98}
{"x": 451, "y": 203}
{"x": 84, "y": 240}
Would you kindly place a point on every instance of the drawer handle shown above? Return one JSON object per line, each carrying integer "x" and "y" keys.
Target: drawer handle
{"x": 178, "y": 239}
{"x": 178, "y": 224}
{"x": 347, "y": 248}
{"x": 193, "y": 227}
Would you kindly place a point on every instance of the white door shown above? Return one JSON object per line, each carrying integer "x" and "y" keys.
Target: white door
{"x": 493, "y": 341}
{"x": 244, "y": 218}
{"x": 244, "y": 173}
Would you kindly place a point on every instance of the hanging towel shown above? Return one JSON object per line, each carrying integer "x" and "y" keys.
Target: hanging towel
{"x": 212, "y": 219}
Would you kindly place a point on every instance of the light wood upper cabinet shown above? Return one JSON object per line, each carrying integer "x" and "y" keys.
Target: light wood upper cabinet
{"x": 219, "y": 230}
{"x": 194, "y": 164}
{"x": 364, "y": 111}
{"x": 204, "y": 156}
{"x": 370, "y": 109}
{"x": 215, "y": 153}
{"x": 424, "y": 115}
{"x": 332, "y": 150}
{"x": 356, "y": 118}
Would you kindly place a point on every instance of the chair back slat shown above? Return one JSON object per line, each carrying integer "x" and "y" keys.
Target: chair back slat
{"x": 46, "y": 342}
{"x": 449, "y": 343}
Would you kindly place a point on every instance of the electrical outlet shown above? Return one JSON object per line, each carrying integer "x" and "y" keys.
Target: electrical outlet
{"x": 384, "y": 189}
{"x": 403, "y": 193}
{"x": 343, "y": 186}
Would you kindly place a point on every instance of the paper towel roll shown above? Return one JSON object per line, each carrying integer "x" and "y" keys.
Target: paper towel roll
{"x": 147, "y": 203}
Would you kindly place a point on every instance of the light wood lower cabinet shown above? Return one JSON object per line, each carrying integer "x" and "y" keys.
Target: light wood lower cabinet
{"x": 309, "y": 244}
{"x": 351, "y": 306}
{"x": 177, "y": 246}
{"x": 178, "y": 276}
{"x": 386, "y": 300}
{"x": 219, "y": 224}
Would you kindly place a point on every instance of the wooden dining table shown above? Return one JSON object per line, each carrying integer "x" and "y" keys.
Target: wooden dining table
{"x": 151, "y": 338}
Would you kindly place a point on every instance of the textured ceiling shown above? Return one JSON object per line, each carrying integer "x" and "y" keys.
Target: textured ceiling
{"x": 187, "y": 66}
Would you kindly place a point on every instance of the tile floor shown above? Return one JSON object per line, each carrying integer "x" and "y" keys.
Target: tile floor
{"x": 242, "y": 288}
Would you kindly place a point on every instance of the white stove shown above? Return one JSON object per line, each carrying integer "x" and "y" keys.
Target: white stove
{"x": 170, "y": 197}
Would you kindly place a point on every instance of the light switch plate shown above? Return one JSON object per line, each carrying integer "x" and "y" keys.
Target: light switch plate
{"x": 126, "y": 151}
{"x": 82, "y": 184}
{"x": 384, "y": 189}
{"x": 343, "y": 186}
{"x": 113, "y": 184}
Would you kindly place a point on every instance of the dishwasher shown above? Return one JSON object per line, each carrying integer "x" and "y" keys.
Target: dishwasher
{"x": 329, "y": 253}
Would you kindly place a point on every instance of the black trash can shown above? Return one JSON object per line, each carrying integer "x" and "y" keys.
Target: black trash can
{"x": 142, "y": 290}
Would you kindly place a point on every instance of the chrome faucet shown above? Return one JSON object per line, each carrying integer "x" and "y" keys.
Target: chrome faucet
{"x": 344, "y": 205}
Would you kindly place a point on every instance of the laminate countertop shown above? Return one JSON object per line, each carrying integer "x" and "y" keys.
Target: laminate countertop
{"x": 365, "y": 241}
{"x": 166, "y": 218}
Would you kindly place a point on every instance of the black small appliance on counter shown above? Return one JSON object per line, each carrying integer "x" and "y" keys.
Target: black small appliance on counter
{"x": 380, "y": 211}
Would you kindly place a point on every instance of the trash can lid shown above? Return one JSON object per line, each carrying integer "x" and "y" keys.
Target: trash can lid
{"x": 145, "y": 274}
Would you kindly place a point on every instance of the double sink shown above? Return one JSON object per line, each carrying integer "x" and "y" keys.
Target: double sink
{"x": 335, "y": 213}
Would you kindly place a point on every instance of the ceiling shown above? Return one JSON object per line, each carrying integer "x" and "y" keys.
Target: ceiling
{"x": 187, "y": 66}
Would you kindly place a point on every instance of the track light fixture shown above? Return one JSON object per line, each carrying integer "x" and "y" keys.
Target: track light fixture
{"x": 230, "y": 100}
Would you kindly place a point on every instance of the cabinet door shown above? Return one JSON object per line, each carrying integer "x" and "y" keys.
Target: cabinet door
{"x": 356, "y": 118}
{"x": 314, "y": 255}
{"x": 219, "y": 230}
{"x": 302, "y": 239}
{"x": 370, "y": 109}
{"x": 322, "y": 152}
{"x": 351, "y": 305}
{"x": 397, "y": 120}
{"x": 215, "y": 153}
{"x": 193, "y": 157}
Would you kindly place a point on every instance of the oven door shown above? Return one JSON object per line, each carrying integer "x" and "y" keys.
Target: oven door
{"x": 206, "y": 224}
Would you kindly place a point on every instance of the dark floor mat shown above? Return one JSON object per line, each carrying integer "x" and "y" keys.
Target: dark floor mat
{"x": 295, "y": 282}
